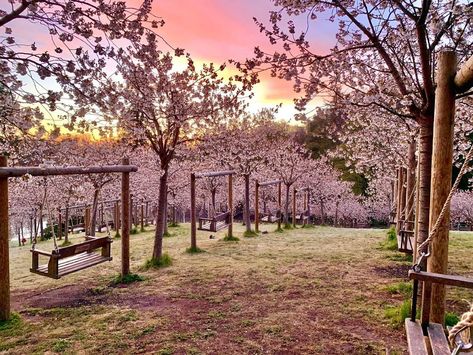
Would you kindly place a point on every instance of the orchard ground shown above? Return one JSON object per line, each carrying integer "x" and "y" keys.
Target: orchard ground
{"x": 311, "y": 290}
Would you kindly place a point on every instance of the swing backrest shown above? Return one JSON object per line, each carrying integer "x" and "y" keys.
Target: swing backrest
{"x": 89, "y": 245}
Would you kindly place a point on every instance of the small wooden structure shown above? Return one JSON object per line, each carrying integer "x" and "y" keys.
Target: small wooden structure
{"x": 267, "y": 218}
{"x": 61, "y": 253}
{"x": 224, "y": 219}
{"x": 425, "y": 337}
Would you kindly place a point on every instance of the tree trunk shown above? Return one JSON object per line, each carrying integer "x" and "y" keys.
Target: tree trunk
{"x": 425, "y": 164}
{"x": 166, "y": 212}
{"x": 286, "y": 205}
{"x": 158, "y": 236}
{"x": 214, "y": 203}
{"x": 93, "y": 219}
{"x": 322, "y": 212}
{"x": 336, "y": 213}
{"x": 247, "y": 203}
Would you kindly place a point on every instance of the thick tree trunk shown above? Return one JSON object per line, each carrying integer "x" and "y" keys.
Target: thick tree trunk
{"x": 286, "y": 205}
{"x": 425, "y": 164}
{"x": 166, "y": 212}
{"x": 158, "y": 236}
{"x": 95, "y": 206}
{"x": 247, "y": 203}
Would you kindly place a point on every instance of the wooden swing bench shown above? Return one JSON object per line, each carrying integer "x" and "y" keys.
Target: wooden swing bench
{"x": 218, "y": 222}
{"x": 67, "y": 260}
{"x": 405, "y": 241}
{"x": 424, "y": 337}
{"x": 270, "y": 218}
{"x": 302, "y": 218}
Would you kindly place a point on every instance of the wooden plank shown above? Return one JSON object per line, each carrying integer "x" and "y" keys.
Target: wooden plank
{"x": 415, "y": 338}
{"x": 70, "y": 170}
{"x": 438, "y": 340}
{"x": 450, "y": 280}
{"x": 269, "y": 183}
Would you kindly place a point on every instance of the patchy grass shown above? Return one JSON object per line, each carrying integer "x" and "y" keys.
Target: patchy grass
{"x": 65, "y": 243}
{"x": 194, "y": 250}
{"x": 250, "y": 234}
{"x": 230, "y": 238}
{"x": 156, "y": 263}
{"x": 397, "y": 314}
{"x": 318, "y": 290}
{"x": 127, "y": 279}
{"x": 451, "y": 319}
{"x": 390, "y": 243}
{"x": 134, "y": 230}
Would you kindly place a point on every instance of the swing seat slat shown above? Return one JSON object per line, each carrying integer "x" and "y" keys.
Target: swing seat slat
{"x": 72, "y": 258}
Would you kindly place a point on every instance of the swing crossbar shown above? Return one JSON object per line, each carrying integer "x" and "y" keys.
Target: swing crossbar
{"x": 269, "y": 183}
{"x": 67, "y": 260}
{"x": 70, "y": 170}
{"x": 214, "y": 173}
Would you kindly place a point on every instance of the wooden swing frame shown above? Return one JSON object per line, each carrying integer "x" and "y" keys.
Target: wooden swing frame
{"x": 258, "y": 185}
{"x": 92, "y": 244}
{"x": 227, "y": 216}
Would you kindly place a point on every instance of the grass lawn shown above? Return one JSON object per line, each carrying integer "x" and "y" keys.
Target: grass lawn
{"x": 311, "y": 290}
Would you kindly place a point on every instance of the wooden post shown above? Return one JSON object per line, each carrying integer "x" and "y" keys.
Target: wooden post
{"x": 279, "y": 204}
{"x": 4, "y": 245}
{"x": 400, "y": 183}
{"x": 257, "y": 207}
{"x": 87, "y": 221}
{"x": 294, "y": 192}
{"x": 230, "y": 205}
{"x": 403, "y": 198}
{"x": 59, "y": 227}
{"x": 441, "y": 181}
{"x": 125, "y": 220}
{"x": 193, "y": 216}
{"x": 305, "y": 207}
{"x": 410, "y": 185}
{"x": 416, "y": 223}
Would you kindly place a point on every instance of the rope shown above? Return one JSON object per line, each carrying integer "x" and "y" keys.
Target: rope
{"x": 464, "y": 324}
{"x": 51, "y": 222}
{"x": 446, "y": 205}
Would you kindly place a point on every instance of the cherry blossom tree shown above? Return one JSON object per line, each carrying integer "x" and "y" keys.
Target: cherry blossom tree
{"x": 162, "y": 107}
{"x": 383, "y": 56}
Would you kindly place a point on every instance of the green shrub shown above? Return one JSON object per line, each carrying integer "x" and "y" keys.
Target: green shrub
{"x": 134, "y": 230}
{"x": 117, "y": 235}
{"x": 157, "y": 263}
{"x": 391, "y": 240}
{"x": 451, "y": 319}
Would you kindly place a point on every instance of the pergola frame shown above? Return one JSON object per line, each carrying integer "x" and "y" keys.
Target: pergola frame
{"x": 195, "y": 176}
{"x": 7, "y": 172}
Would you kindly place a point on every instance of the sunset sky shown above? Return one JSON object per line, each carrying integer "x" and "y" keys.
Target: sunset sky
{"x": 217, "y": 30}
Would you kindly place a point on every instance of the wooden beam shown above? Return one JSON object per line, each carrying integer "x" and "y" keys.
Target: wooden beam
{"x": 441, "y": 177}
{"x": 125, "y": 220}
{"x": 214, "y": 173}
{"x": 294, "y": 193}
{"x": 464, "y": 77}
{"x": 268, "y": 183}
{"x": 70, "y": 170}
{"x": 257, "y": 206}
{"x": 4, "y": 247}
{"x": 279, "y": 203}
